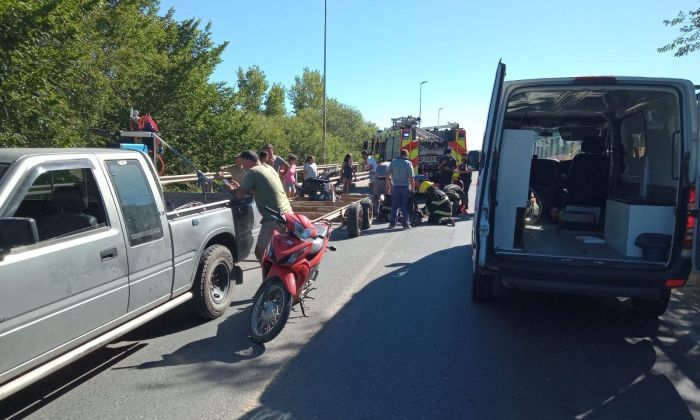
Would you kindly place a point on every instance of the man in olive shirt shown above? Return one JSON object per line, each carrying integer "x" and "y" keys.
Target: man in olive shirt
{"x": 264, "y": 183}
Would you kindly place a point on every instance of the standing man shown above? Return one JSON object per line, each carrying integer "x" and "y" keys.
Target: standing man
{"x": 400, "y": 183}
{"x": 465, "y": 175}
{"x": 446, "y": 169}
{"x": 371, "y": 166}
{"x": 266, "y": 187}
{"x": 281, "y": 166}
{"x": 379, "y": 187}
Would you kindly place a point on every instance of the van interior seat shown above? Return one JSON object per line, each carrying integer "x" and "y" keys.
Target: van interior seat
{"x": 68, "y": 205}
{"x": 587, "y": 185}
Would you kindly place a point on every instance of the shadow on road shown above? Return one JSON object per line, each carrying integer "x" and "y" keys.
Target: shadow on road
{"x": 411, "y": 344}
{"x": 230, "y": 345}
{"x": 45, "y": 391}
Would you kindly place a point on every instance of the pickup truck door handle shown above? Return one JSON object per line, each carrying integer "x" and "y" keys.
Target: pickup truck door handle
{"x": 108, "y": 254}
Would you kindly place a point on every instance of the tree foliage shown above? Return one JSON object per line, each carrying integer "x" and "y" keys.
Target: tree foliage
{"x": 689, "y": 39}
{"x": 70, "y": 66}
{"x": 307, "y": 91}
{"x": 274, "y": 102}
{"x": 252, "y": 85}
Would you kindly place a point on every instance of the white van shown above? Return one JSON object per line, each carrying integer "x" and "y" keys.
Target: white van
{"x": 587, "y": 186}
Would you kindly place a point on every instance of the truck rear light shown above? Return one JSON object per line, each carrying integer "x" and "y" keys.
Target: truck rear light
{"x": 598, "y": 79}
{"x": 690, "y": 220}
{"x": 675, "y": 282}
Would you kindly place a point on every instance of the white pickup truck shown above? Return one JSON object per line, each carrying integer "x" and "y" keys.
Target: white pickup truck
{"x": 91, "y": 248}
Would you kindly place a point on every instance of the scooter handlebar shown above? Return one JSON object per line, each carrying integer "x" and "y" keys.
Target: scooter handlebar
{"x": 276, "y": 214}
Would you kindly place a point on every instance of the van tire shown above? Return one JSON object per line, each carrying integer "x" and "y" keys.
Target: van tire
{"x": 353, "y": 219}
{"x": 213, "y": 285}
{"x": 652, "y": 308}
{"x": 482, "y": 287}
{"x": 367, "y": 213}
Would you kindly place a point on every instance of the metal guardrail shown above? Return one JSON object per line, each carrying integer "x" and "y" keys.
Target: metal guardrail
{"x": 177, "y": 179}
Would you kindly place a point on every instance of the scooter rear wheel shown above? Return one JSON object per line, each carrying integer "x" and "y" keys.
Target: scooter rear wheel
{"x": 270, "y": 312}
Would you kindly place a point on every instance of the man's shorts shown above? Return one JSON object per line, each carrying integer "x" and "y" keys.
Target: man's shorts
{"x": 267, "y": 229}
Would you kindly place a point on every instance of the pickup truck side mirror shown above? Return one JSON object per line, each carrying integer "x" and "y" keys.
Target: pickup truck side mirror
{"x": 474, "y": 160}
{"x": 16, "y": 231}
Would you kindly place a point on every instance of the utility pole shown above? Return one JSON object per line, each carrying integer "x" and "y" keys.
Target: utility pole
{"x": 325, "y": 8}
{"x": 440, "y": 109}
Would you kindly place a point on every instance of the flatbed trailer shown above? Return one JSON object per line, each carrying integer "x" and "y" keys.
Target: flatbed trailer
{"x": 353, "y": 210}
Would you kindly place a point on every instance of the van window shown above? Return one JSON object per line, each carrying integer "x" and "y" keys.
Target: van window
{"x": 63, "y": 202}
{"x": 633, "y": 140}
{"x": 136, "y": 200}
{"x": 550, "y": 145}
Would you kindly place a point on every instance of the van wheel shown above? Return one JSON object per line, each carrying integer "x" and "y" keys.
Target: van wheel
{"x": 353, "y": 219}
{"x": 213, "y": 287}
{"x": 367, "y": 213}
{"x": 652, "y": 308}
{"x": 482, "y": 287}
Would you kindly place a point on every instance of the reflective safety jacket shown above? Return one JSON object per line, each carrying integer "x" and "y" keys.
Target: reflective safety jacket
{"x": 438, "y": 206}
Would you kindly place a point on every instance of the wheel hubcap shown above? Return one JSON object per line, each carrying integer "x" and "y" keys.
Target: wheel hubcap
{"x": 268, "y": 310}
{"x": 220, "y": 280}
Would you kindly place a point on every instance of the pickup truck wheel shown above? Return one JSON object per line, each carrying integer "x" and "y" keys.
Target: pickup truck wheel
{"x": 213, "y": 286}
{"x": 367, "y": 213}
{"x": 353, "y": 216}
{"x": 482, "y": 287}
{"x": 652, "y": 308}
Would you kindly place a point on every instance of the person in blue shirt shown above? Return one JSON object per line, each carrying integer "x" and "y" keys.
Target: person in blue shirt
{"x": 400, "y": 186}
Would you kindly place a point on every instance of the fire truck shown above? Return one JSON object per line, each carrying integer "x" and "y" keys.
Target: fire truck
{"x": 425, "y": 145}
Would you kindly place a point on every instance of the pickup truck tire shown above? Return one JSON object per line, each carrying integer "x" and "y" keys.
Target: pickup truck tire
{"x": 482, "y": 287}
{"x": 353, "y": 219}
{"x": 213, "y": 287}
{"x": 271, "y": 306}
{"x": 367, "y": 213}
{"x": 652, "y": 308}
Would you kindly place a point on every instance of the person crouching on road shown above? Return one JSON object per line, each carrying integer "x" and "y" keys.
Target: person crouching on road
{"x": 400, "y": 185}
{"x": 263, "y": 182}
{"x": 439, "y": 207}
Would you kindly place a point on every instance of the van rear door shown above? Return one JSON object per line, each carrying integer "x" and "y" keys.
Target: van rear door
{"x": 696, "y": 158}
{"x": 481, "y": 226}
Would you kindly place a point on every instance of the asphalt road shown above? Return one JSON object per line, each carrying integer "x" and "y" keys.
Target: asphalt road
{"x": 392, "y": 334}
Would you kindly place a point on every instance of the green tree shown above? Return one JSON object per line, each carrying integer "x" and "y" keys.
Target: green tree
{"x": 252, "y": 85}
{"x": 274, "y": 102}
{"x": 689, "y": 40}
{"x": 307, "y": 91}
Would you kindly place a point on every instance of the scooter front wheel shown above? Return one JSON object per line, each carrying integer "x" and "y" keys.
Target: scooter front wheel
{"x": 270, "y": 312}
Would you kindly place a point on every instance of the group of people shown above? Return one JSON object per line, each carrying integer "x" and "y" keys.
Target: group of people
{"x": 272, "y": 181}
{"x": 396, "y": 180}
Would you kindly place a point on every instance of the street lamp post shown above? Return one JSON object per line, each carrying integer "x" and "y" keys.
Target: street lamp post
{"x": 420, "y": 100}
{"x": 440, "y": 109}
{"x": 325, "y": 8}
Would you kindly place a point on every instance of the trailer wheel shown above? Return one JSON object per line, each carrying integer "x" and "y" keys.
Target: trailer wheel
{"x": 213, "y": 287}
{"x": 367, "y": 213}
{"x": 353, "y": 216}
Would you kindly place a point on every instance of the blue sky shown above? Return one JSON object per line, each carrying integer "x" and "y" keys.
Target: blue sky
{"x": 379, "y": 51}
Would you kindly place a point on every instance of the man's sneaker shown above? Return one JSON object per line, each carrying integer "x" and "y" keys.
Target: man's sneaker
{"x": 407, "y": 227}
{"x": 391, "y": 226}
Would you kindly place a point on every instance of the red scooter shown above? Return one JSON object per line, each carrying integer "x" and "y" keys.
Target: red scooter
{"x": 290, "y": 266}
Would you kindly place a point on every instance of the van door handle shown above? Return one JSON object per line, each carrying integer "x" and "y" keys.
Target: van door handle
{"x": 108, "y": 254}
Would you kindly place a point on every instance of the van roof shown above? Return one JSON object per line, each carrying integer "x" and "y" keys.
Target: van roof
{"x": 602, "y": 80}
